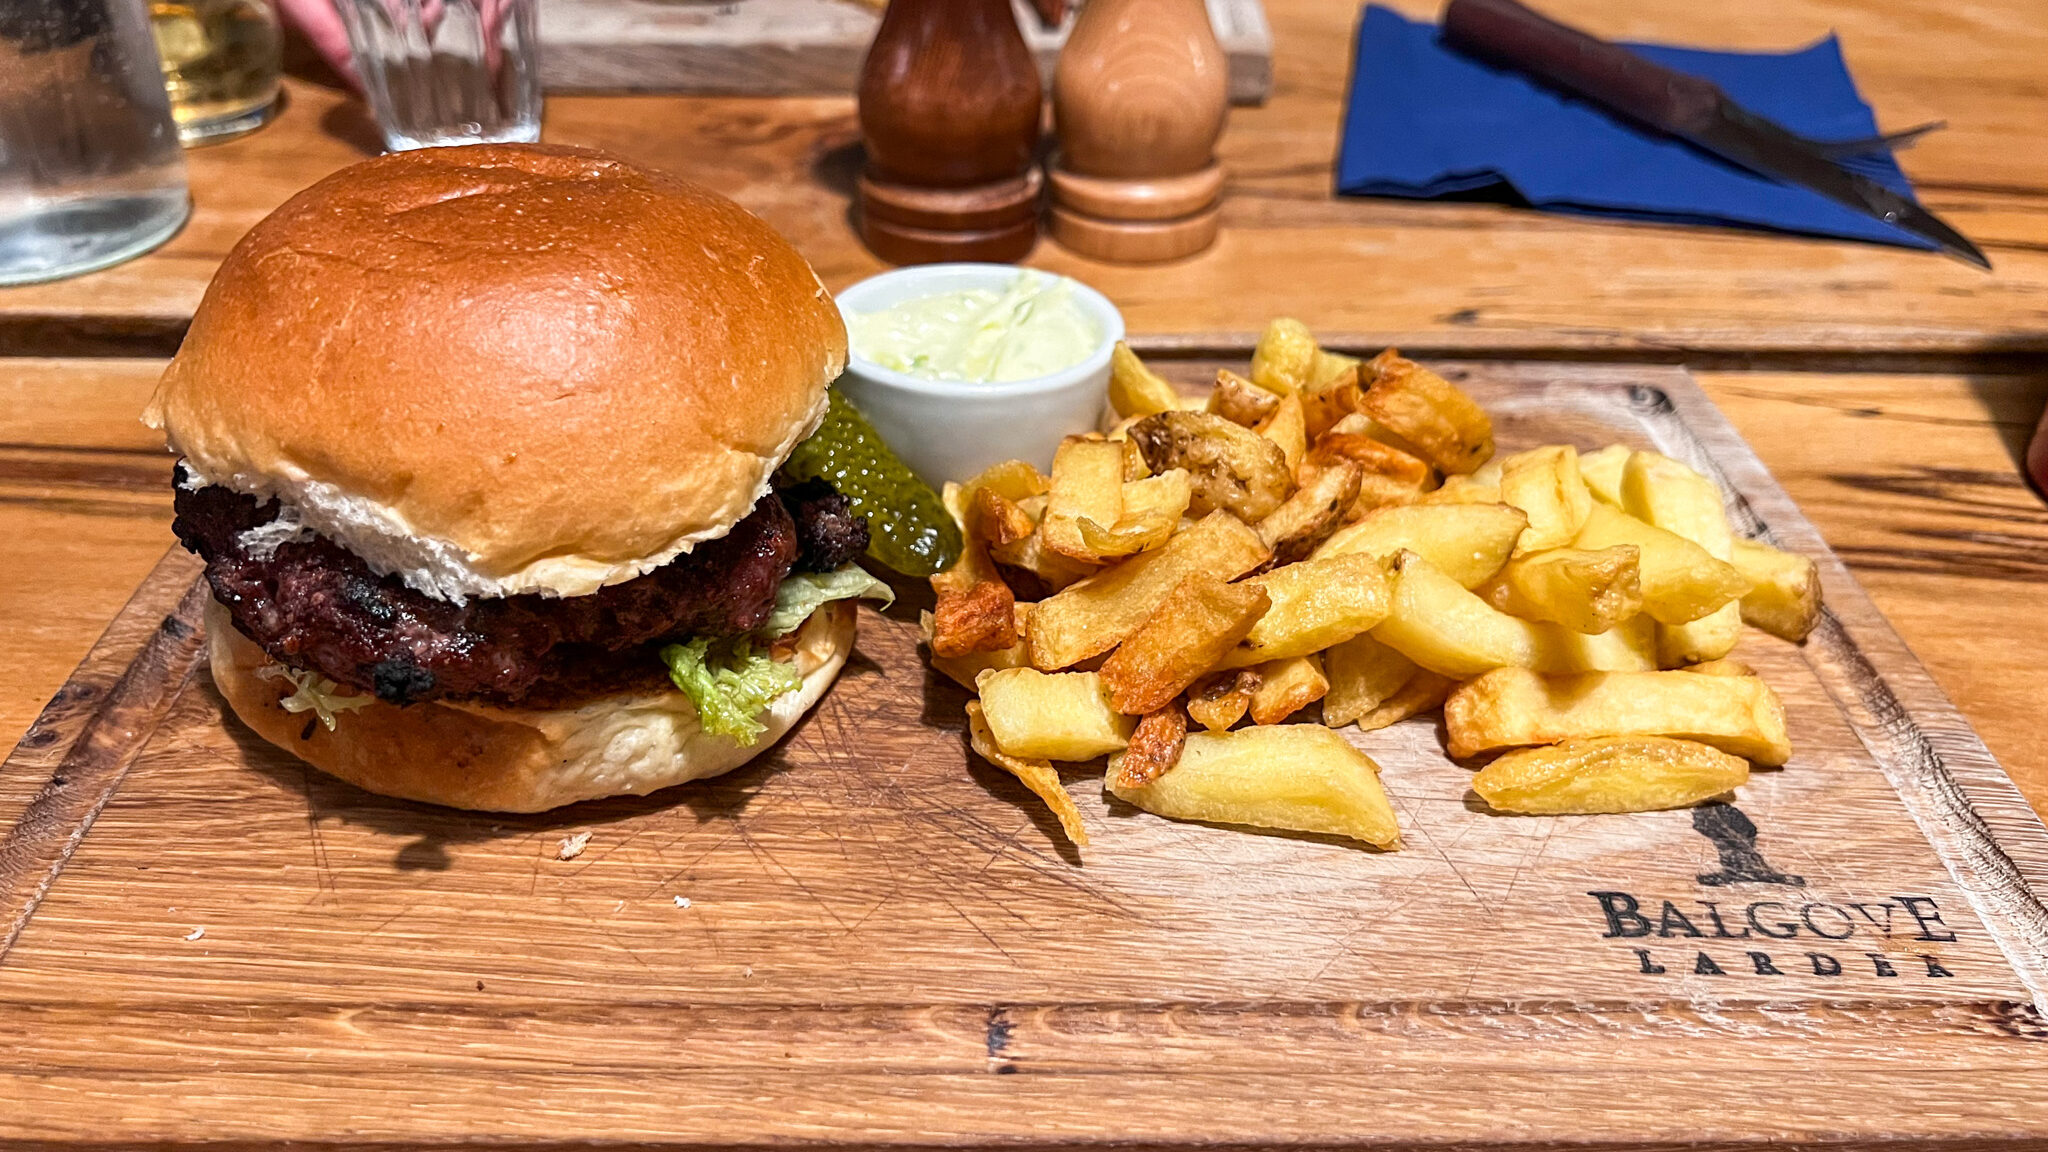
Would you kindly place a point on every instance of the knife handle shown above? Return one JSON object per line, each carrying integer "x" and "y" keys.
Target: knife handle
{"x": 1513, "y": 34}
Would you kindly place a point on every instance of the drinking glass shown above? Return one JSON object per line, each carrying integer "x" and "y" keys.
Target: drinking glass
{"x": 90, "y": 169}
{"x": 221, "y": 60}
{"x": 441, "y": 72}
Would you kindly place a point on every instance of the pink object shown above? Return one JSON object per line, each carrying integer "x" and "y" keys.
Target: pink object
{"x": 320, "y": 23}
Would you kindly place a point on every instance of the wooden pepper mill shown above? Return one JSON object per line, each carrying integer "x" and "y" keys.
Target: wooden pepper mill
{"x": 1138, "y": 102}
{"x": 949, "y": 109}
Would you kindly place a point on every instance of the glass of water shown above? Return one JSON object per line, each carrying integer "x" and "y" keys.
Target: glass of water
{"x": 441, "y": 72}
{"x": 90, "y": 169}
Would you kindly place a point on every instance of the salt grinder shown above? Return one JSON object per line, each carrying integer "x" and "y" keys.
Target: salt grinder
{"x": 949, "y": 110}
{"x": 1138, "y": 102}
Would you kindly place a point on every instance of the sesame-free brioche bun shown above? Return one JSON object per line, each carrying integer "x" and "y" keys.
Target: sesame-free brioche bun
{"x": 499, "y": 759}
{"x": 502, "y": 369}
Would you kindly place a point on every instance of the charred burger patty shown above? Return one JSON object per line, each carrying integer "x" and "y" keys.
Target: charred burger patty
{"x": 318, "y": 607}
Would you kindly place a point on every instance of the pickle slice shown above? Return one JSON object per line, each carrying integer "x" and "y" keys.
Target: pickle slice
{"x": 908, "y": 526}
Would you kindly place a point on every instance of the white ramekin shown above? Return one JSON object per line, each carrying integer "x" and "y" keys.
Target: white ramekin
{"x": 950, "y": 430}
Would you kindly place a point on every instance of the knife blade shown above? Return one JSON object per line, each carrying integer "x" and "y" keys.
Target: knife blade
{"x": 1682, "y": 105}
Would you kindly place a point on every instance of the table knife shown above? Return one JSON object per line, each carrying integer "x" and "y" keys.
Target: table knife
{"x": 1682, "y": 105}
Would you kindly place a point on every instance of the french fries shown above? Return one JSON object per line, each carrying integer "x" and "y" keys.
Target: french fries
{"x": 1197, "y": 624}
{"x": 1091, "y": 617}
{"x": 1666, "y": 494}
{"x": 1087, "y": 484}
{"x": 1038, "y": 774}
{"x": 1423, "y": 408}
{"x": 1544, "y": 483}
{"x": 1681, "y": 581}
{"x": 1338, "y": 531}
{"x": 1135, "y": 390}
{"x": 1305, "y": 519}
{"x": 1608, "y": 774}
{"x": 1284, "y": 359}
{"x": 1299, "y": 777}
{"x": 1508, "y": 707}
{"x": 1586, "y": 592}
{"x": 1156, "y": 745}
{"x": 1315, "y": 604}
{"x": 1221, "y": 699}
{"x": 1054, "y": 715}
{"x": 1784, "y": 598}
{"x": 1467, "y": 542}
{"x": 1286, "y": 687}
{"x": 1232, "y": 467}
{"x": 1240, "y": 401}
{"x": 1363, "y": 674}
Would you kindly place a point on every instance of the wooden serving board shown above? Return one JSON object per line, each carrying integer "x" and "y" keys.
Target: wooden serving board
{"x": 887, "y": 944}
{"x": 796, "y": 47}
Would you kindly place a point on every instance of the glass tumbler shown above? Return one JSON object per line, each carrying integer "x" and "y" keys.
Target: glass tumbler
{"x": 440, "y": 72}
{"x": 90, "y": 169}
{"x": 221, "y": 60}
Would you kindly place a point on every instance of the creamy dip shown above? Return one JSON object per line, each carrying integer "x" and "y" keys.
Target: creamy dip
{"x": 979, "y": 335}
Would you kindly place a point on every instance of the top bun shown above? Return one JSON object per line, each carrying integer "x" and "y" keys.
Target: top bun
{"x": 502, "y": 369}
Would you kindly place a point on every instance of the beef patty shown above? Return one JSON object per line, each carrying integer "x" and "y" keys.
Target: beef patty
{"x": 316, "y": 606}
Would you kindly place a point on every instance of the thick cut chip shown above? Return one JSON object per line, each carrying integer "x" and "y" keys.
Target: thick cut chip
{"x": 1037, "y": 773}
{"x": 1509, "y": 707}
{"x": 1586, "y": 592}
{"x": 1722, "y": 667}
{"x": 1152, "y": 510}
{"x": 1315, "y": 604}
{"x": 1284, "y": 359}
{"x": 1462, "y": 490}
{"x": 1298, "y": 777}
{"x": 1051, "y": 569}
{"x": 1663, "y": 493}
{"x": 1087, "y": 484}
{"x": 1468, "y": 542}
{"x": 1325, "y": 403}
{"x": 1448, "y": 630}
{"x": 1681, "y": 581}
{"x": 1233, "y": 467}
{"x": 1057, "y": 715}
{"x": 997, "y": 519}
{"x": 1372, "y": 454}
{"x": 1091, "y": 617}
{"x": 1452, "y": 430}
{"x": 964, "y": 669}
{"x": 1286, "y": 687}
{"x": 1602, "y": 472}
{"x": 1197, "y": 624}
{"x": 1240, "y": 401}
{"x": 1608, "y": 774}
{"x": 1785, "y": 599}
{"x": 1363, "y": 675}
{"x": 1306, "y": 519}
{"x": 981, "y": 619}
{"x": 1221, "y": 699}
{"x": 1135, "y": 390}
{"x": 1014, "y": 480}
{"x": 1330, "y": 366}
{"x": 1288, "y": 428}
{"x": 1424, "y": 692}
{"x": 1544, "y": 483}
{"x": 1155, "y": 748}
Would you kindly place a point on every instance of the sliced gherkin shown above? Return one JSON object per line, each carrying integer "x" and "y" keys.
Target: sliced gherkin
{"x": 908, "y": 526}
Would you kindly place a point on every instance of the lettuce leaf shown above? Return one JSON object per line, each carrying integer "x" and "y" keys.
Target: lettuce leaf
{"x": 729, "y": 684}
{"x": 806, "y": 592}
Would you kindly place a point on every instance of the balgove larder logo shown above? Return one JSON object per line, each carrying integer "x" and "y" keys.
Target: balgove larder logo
{"x": 1775, "y": 937}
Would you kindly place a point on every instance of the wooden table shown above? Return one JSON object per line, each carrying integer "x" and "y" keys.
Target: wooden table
{"x": 1891, "y": 391}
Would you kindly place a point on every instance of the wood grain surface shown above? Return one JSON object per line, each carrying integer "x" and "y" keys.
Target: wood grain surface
{"x": 885, "y": 943}
{"x": 1471, "y": 277}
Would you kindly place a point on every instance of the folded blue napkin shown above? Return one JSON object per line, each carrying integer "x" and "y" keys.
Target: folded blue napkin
{"x": 1425, "y": 120}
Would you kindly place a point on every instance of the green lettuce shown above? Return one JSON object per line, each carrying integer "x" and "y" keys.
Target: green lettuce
{"x": 729, "y": 685}
{"x": 806, "y": 592}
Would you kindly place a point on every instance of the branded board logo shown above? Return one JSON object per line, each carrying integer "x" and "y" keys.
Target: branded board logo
{"x": 1780, "y": 937}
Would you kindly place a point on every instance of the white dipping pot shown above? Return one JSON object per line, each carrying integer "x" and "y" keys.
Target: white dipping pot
{"x": 951, "y": 429}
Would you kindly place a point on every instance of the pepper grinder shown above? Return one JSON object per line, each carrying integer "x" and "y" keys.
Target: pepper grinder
{"x": 950, "y": 104}
{"x": 1138, "y": 101}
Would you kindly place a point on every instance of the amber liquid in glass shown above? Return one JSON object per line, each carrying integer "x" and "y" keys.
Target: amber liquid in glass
{"x": 220, "y": 62}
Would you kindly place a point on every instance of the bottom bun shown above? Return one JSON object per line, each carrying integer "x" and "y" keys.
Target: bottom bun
{"x": 497, "y": 759}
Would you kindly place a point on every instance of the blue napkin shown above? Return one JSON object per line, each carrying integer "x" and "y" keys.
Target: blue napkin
{"x": 1425, "y": 121}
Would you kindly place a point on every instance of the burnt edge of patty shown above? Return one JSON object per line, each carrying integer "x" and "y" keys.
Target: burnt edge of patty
{"x": 314, "y": 605}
